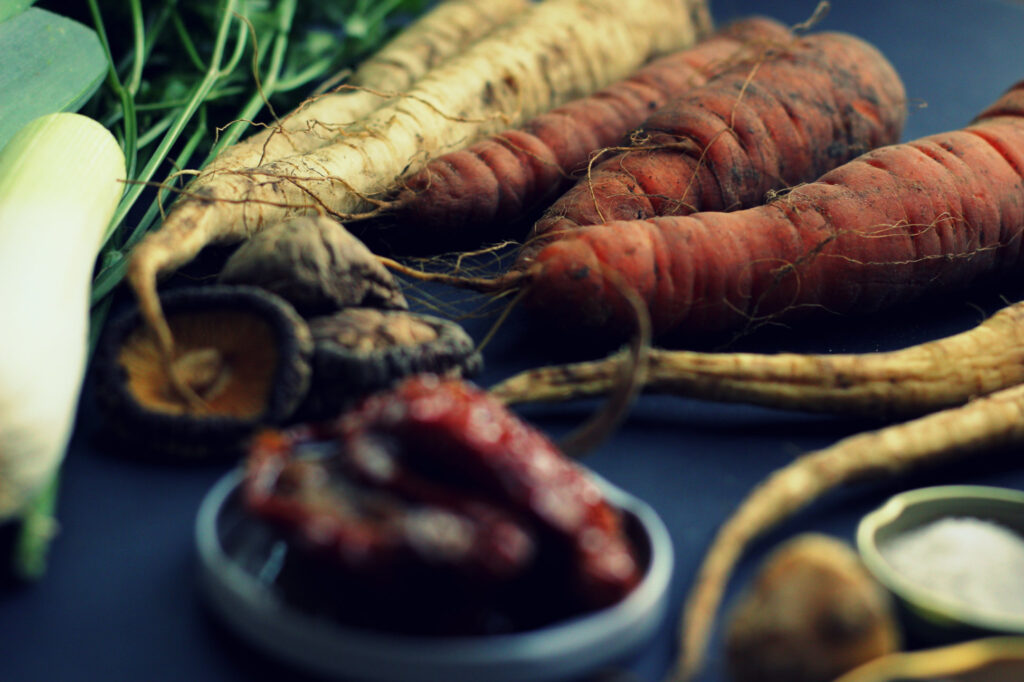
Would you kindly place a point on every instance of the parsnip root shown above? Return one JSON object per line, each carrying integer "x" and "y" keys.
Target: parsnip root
{"x": 436, "y": 36}
{"x": 911, "y": 381}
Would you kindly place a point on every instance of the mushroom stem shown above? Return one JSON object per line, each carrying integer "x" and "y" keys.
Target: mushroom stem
{"x": 203, "y": 372}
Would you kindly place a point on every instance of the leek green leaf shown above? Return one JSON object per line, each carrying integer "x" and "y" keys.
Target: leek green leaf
{"x": 48, "y": 63}
{"x": 8, "y": 8}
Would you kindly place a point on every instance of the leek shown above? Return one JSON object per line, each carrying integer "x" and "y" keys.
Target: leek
{"x": 61, "y": 177}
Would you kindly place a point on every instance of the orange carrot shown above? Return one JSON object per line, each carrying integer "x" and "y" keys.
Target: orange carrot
{"x": 473, "y": 195}
{"x": 934, "y": 214}
{"x": 801, "y": 110}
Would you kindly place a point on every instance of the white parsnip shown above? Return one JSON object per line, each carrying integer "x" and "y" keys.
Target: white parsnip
{"x": 910, "y": 381}
{"x": 442, "y": 32}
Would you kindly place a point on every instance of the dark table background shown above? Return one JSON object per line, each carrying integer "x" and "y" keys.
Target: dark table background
{"x": 119, "y": 601}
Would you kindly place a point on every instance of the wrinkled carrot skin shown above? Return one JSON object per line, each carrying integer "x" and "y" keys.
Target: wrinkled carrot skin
{"x": 983, "y": 424}
{"x": 930, "y": 215}
{"x": 802, "y": 110}
{"x": 911, "y": 381}
{"x": 471, "y": 196}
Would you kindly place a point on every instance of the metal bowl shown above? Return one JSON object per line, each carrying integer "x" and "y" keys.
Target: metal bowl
{"x": 933, "y": 615}
{"x": 238, "y": 561}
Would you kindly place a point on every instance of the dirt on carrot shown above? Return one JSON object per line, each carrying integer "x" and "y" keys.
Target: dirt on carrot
{"x": 796, "y": 110}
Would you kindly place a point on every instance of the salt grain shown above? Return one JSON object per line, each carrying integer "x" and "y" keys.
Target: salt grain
{"x": 971, "y": 561}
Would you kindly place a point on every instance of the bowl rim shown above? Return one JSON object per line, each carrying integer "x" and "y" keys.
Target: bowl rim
{"x": 926, "y": 601}
{"x": 556, "y": 651}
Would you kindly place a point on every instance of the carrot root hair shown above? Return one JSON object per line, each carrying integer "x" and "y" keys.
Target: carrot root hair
{"x": 627, "y": 385}
{"x": 510, "y": 280}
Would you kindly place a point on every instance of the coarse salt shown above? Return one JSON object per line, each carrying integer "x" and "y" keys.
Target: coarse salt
{"x": 974, "y": 562}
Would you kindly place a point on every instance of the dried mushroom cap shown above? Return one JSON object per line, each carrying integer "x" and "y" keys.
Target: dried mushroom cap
{"x": 368, "y": 329}
{"x": 316, "y": 264}
{"x": 243, "y": 351}
{"x": 361, "y": 350}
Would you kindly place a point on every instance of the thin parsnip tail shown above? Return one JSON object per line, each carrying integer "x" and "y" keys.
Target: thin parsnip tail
{"x": 885, "y": 385}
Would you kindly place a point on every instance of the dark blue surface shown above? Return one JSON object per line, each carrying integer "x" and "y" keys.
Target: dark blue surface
{"x": 119, "y": 602}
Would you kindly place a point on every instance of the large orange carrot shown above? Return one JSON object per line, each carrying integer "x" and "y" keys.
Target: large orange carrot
{"x": 929, "y": 215}
{"x": 751, "y": 130}
{"x": 471, "y": 196}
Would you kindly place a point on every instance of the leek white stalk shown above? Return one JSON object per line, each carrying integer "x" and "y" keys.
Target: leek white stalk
{"x": 61, "y": 177}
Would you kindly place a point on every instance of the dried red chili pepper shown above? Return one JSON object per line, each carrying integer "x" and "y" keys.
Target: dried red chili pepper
{"x": 462, "y": 433}
{"x": 419, "y": 561}
{"x": 373, "y": 529}
{"x": 435, "y": 479}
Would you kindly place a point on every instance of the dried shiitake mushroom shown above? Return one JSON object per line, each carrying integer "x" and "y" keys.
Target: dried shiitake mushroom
{"x": 361, "y": 350}
{"x": 316, "y": 264}
{"x": 244, "y": 352}
{"x": 812, "y": 613}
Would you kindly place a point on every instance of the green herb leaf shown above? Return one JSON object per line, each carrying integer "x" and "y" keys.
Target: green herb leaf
{"x": 48, "y": 63}
{"x": 9, "y": 8}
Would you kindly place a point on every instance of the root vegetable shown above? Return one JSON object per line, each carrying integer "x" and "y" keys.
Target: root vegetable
{"x": 801, "y": 110}
{"x": 986, "y": 423}
{"x": 474, "y": 195}
{"x": 439, "y": 34}
{"x": 785, "y": 119}
{"x": 552, "y": 52}
{"x": 905, "y": 382}
{"x": 925, "y": 216}
{"x": 812, "y": 613}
